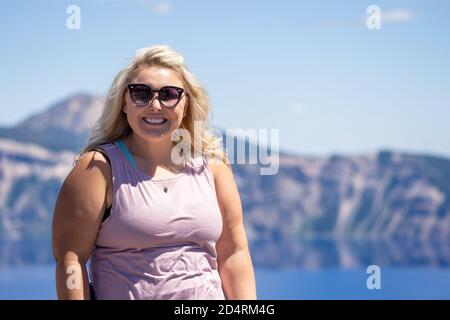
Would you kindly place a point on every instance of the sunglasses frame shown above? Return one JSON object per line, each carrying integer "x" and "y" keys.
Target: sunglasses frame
{"x": 152, "y": 94}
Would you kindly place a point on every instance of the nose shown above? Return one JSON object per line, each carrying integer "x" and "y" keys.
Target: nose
{"x": 154, "y": 103}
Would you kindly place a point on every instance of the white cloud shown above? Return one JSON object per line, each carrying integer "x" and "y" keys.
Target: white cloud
{"x": 162, "y": 7}
{"x": 156, "y": 6}
{"x": 396, "y": 15}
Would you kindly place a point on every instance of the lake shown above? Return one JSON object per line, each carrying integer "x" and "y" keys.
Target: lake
{"x": 37, "y": 282}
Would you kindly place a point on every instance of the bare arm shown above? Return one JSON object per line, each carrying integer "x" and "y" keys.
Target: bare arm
{"x": 235, "y": 265}
{"x": 79, "y": 210}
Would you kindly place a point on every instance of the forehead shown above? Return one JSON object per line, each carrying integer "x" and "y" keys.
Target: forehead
{"x": 158, "y": 77}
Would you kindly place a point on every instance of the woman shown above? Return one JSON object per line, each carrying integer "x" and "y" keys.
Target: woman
{"x": 152, "y": 226}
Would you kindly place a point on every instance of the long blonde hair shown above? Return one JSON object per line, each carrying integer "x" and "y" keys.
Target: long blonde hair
{"x": 113, "y": 125}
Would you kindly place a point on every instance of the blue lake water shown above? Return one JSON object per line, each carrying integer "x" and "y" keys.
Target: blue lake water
{"x": 37, "y": 282}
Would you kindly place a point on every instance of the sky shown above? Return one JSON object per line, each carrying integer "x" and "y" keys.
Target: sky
{"x": 311, "y": 69}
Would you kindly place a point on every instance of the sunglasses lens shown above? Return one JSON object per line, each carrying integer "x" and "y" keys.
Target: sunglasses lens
{"x": 169, "y": 96}
{"x": 140, "y": 95}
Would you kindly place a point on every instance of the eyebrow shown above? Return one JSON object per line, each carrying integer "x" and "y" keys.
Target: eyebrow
{"x": 153, "y": 87}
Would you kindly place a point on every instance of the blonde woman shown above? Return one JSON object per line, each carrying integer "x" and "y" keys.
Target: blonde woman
{"x": 151, "y": 226}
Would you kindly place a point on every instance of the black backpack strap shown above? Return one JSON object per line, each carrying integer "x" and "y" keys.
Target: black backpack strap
{"x": 91, "y": 289}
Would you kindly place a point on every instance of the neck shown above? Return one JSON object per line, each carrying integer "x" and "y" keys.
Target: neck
{"x": 157, "y": 152}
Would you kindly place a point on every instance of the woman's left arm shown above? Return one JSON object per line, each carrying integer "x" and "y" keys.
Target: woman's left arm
{"x": 233, "y": 255}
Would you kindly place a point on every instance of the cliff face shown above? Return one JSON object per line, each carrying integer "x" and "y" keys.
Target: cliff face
{"x": 386, "y": 206}
{"x": 385, "y": 195}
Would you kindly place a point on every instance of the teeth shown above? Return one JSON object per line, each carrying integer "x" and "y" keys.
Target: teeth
{"x": 157, "y": 121}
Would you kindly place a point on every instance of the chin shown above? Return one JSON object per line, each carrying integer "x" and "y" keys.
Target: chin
{"x": 154, "y": 135}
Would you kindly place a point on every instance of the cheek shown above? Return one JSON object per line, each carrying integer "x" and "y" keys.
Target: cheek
{"x": 175, "y": 122}
{"x": 131, "y": 116}
{"x": 180, "y": 117}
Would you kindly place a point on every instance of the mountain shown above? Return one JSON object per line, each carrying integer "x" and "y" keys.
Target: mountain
{"x": 383, "y": 195}
{"x": 384, "y": 207}
{"x": 64, "y": 126}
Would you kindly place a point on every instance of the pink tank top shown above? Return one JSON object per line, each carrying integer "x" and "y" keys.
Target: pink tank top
{"x": 159, "y": 240}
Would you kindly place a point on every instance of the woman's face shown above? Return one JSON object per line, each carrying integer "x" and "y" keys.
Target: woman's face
{"x": 139, "y": 116}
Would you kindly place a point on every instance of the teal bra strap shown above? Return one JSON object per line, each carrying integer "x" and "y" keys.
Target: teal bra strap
{"x": 122, "y": 146}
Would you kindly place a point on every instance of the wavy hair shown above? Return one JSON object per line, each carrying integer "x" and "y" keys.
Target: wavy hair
{"x": 113, "y": 124}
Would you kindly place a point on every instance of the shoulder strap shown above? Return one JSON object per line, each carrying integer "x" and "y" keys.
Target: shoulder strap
{"x": 123, "y": 148}
{"x": 103, "y": 153}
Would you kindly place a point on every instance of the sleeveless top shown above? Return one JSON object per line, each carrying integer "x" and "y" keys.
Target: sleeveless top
{"x": 159, "y": 240}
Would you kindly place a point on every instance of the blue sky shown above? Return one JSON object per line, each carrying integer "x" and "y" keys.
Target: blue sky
{"x": 311, "y": 69}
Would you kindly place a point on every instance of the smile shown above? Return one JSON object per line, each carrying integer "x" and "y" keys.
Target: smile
{"x": 155, "y": 121}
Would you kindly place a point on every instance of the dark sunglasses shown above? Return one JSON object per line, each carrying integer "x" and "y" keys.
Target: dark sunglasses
{"x": 142, "y": 94}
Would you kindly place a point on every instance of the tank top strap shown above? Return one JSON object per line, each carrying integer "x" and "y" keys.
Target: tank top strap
{"x": 124, "y": 167}
{"x": 199, "y": 164}
{"x": 118, "y": 161}
{"x": 123, "y": 148}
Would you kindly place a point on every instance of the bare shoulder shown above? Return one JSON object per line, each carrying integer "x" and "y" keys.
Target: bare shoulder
{"x": 92, "y": 168}
{"x": 93, "y": 160}
{"x": 226, "y": 188}
{"x": 230, "y": 205}
{"x": 219, "y": 168}
{"x": 87, "y": 185}
{"x": 80, "y": 207}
